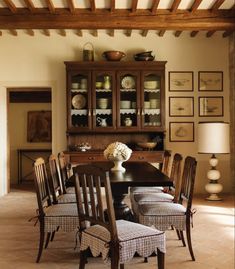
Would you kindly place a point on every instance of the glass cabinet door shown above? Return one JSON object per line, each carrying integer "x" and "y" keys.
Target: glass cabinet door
{"x": 103, "y": 100}
{"x": 151, "y": 98}
{"x": 128, "y": 100}
{"x": 79, "y": 101}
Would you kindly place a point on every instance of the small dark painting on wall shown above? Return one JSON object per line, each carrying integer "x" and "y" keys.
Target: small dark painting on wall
{"x": 39, "y": 126}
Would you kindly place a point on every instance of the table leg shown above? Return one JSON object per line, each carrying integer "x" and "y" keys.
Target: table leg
{"x": 122, "y": 210}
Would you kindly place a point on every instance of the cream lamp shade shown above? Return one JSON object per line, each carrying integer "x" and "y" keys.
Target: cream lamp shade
{"x": 213, "y": 137}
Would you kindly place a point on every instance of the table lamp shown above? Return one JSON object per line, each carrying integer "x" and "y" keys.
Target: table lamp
{"x": 213, "y": 138}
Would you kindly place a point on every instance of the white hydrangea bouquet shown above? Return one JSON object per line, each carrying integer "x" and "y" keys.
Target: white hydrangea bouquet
{"x": 118, "y": 153}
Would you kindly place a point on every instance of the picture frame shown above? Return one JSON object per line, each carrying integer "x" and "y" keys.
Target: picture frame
{"x": 181, "y": 106}
{"x": 210, "y": 81}
{"x": 181, "y": 131}
{"x": 211, "y": 106}
{"x": 39, "y": 126}
{"x": 181, "y": 81}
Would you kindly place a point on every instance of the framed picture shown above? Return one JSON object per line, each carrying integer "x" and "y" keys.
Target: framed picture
{"x": 181, "y": 81}
{"x": 211, "y": 106}
{"x": 181, "y": 107}
{"x": 210, "y": 81}
{"x": 181, "y": 131}
{"x": 39, "y": 126}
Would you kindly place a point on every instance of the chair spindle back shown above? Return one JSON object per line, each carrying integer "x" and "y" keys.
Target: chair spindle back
{"x": 176, "y": 175}
{"x": 41, "y": 184}
{"x": 91, "y": 204}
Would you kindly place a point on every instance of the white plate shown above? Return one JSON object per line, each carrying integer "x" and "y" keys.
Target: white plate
{"x": 128, "y": 82}
{"x": 79, "y": 101}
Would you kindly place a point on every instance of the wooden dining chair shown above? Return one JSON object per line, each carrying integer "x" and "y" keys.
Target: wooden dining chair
{"x": 115, "y": 240}
{"x": 154, "y": 197}
{"x": 55, "y": 183}
{"x": 51, "y": 216}
{"x": 66, "y": 174}
{"x": 164, "y": 167}
{"x": 164, "y": 215}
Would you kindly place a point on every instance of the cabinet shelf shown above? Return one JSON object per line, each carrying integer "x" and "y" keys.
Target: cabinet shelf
{"x": 78, "y": 112}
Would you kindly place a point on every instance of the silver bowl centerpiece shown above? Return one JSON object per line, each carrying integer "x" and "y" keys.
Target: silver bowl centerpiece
{"x": 118, "y": 153}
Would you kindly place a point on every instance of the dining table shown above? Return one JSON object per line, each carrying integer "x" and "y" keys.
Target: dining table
{"x": 136, "y": 174}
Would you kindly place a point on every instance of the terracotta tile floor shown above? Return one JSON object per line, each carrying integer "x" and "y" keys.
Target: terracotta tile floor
{"x": 212, "y": 235}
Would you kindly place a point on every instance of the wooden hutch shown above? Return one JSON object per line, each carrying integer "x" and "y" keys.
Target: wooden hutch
{"x": 115, "y": 101}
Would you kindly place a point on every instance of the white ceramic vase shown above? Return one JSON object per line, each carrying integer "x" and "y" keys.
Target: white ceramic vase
{"x": 118, "y": 166}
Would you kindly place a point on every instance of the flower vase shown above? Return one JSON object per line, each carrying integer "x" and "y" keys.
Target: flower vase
{"x": 118, "y": 166}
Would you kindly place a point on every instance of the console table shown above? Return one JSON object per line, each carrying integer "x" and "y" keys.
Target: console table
{"x": 28, "y": 155}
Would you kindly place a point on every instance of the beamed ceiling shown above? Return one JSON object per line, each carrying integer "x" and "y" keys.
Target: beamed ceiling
{"x": 144, "y": 16}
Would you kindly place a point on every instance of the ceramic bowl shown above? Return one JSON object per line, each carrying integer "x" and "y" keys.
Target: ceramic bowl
{"x": 113, "y": 55}
{"x": 152, "y": 84}
{"x": 98, "y": 85}
{"x": 125, "y": 104}
{"x": 147, "y": 145}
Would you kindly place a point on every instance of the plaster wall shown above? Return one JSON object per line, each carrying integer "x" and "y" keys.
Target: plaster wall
{"x": 38, "y": 61}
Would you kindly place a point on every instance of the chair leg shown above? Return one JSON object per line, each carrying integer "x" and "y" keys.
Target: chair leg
{"x": 83, "y": 259}
{"x": 145, "y": 259}
{"x": 122, "y": 266}
{"x": 41, "y": 241}
{"x": 160, "y": 259}
{"x": 188, "y": 233}
{"x": 48, "y": 239}
{"x": 182, "y": 238}
{"x": 178, "y": 234}
{"x": 52, "y": 236}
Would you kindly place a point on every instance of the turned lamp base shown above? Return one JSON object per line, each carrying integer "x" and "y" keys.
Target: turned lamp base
{"x": 213, "y": 187}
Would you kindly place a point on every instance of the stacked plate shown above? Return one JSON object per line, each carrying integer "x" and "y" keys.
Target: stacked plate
{"x": 144, "y": 56}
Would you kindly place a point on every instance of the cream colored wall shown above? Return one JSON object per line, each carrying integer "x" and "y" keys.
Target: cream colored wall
{"x": 17, "y": 123}
{"x": 38, "y": 60}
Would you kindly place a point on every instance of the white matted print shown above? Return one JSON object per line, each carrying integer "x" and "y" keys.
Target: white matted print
{"x": 181, "y": 131}
{"x": 181, "y": 106}
{"x": 210, "y": 81}
{"x": 180, "y": 81}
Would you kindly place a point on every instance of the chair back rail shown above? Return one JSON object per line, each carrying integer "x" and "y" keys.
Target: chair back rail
{"x": 166, "y": 162}
{"x": 188, "y": 181}
{"x": 55, "y": 179}
{"x": 63, "y": 166}
{"x": 176, "y": 175}
{"x": 91, "y": 205}
{"x": 41, "y": 184}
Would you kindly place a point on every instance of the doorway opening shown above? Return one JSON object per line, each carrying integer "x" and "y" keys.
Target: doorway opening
{"x": 29, "y": 131}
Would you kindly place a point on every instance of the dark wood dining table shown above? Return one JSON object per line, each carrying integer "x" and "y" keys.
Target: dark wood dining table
{"x": 136, "y": 174}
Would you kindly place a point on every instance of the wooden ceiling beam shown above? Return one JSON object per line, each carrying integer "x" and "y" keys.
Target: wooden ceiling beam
{"x": 111, "y": 32}
{"x": 144, "y": 32}
{"x": 46, "y": 32}
{"x": 92, "y": 5}
{"x": 195, "y": 5}
{"x": 112, "y": 6}
{"x": 11, "y": 5}
{"x": 30, "y": 5}
{"x": 62, "y": 32}
{"x": 0, "y": 33}
{"x": 154, "y": 7}
{"x": 200, "y": 20}
{"x": 178, "y": 33}
{"x": 134, "y": 6}
{"x": 161, "y": 33}
{"x": 227, "y": 33}
{"x": 217, "y": 4}
{"x": 79, "y": 32}
{"x": 128, "y": 32}
{"x": 175, "y": 5}
{"x": 13, "y": 32}
{"x": 193, "y": 33}
{"x": 30, "y": 32}
{"x": 210, "y": 33}
{"x": 71, "y": 6}
{"x": 94, "y": 33}
{"x": 51, "y": 6}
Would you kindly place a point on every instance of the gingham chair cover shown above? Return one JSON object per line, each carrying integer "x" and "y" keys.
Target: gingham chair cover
{"x": 162, "y": 215}
{"x": 149, "y": 198}
{"x": 133, "y": 237}
{"x": 70, "y": 190}
{"x": 63, "y": 215}
{"x": 66, "y": 198}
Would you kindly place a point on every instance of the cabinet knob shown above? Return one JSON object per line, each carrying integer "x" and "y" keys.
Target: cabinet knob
{"x": 91, "y": 158}
{"x": 141, "y": 158}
